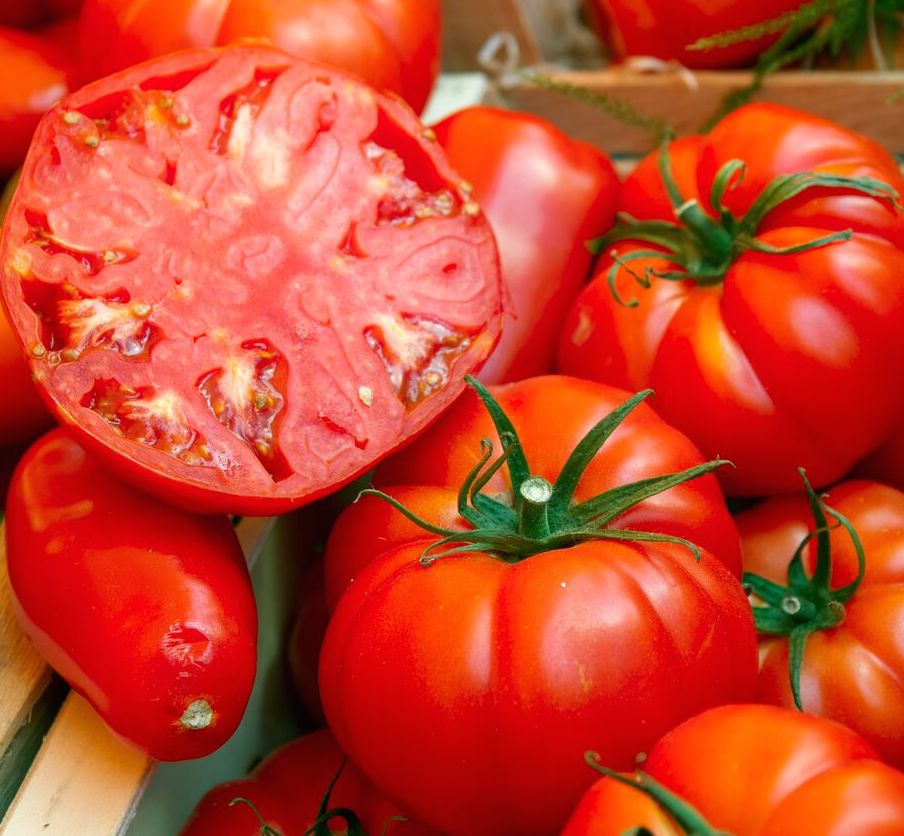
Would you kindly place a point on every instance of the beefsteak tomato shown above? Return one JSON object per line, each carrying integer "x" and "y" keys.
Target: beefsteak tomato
{"x": 832, "y": 611}
{"x": 757, "y": 286}
{"x": 546, "y": 629}
{"x": 545, "y": 195}
{"x": 666, "y": 28}
{"x": 285, "y": 792}
{"x": 391, "y": 44}
{"x": 753, "y": 770}
{"x": 145, "y": 610}
{"x": 244, "y": 278}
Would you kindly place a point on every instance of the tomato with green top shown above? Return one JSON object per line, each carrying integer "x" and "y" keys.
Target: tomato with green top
{"x": 827, "y": 574}
{"x": 755, "y": 284}
{"x": 569, "y": 610}
{"x": 749, "y": 770}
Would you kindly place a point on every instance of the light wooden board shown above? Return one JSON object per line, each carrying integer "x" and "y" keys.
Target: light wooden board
{"x": 84, "y": 780}
{"x": 859, "y": 100}
{"x": 468, "y": 23}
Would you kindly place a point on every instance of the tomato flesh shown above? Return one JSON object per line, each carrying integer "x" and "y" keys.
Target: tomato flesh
{"x": 245, "y": 278}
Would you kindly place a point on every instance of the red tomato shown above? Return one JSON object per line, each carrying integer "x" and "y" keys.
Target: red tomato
{"x": 756, "y": 770}
{"x": 852, "y": 639}
{"x": 772, "y": 361}
{"x": 25, "y": 416}
{"x": 287, "y": 788}
{"x": 545, "y": 195}
{"x": 305, "y": 639}
{"x": 485, "y": 663}
{"x": 886, "y": 464}
{"x": 391, "y": 44}
{"x": 26, "y": 14}
{"x": 285, "y": 282}
{"x": 146, "y": 611}
{"x": 665, "y": 28}
{"x": 34, "y": 74}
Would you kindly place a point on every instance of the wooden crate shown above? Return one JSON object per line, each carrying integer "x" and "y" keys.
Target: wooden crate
{"x": 62, "y": 772}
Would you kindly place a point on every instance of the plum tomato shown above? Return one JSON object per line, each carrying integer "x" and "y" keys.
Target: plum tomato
{"x": 147, "y": 611}
{"x": 244, "y": 278}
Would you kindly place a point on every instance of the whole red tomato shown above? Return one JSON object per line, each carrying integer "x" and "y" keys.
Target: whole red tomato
{"x": 286, "y": 791}
{"x": 770, "y": 328}
{"x": 391, "y": 44}
{"x": 34, "y": 74}
{"x": 666, "y": 28}
{"x": 545, "y": 196}
{"x": 541, "y": 629}
{"x": 839, "y": 605}
{"x": 886, "y": 463}
{"x": 145, "y": 610}
{"x": 245, "y": 278}
{"x": 753, "y": 770}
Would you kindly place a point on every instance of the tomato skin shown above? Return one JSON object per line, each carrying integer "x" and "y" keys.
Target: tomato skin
{"x": 727, "y": 360}
{"x": 546, "y": 657}
{"x": 29, "y": 416}
{"x": 287, "y": 788}
{"x": 34, "y": 73}
{"x": 387, "y": 286}
{"x": 767, "y": 771}
{"x": 545, "y": 196}
{"x": 665, "y": 28}
{"x": 391, "y": 44}
{"x": 142, "y": 608}
{"x": 851, "y": 673}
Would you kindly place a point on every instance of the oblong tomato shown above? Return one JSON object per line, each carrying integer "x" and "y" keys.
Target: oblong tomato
{"x": 769, "y": 357}
{"x": 484, "y": 659}
{"x": 245, "y": 278}
{"x": 391, "y": 44}
{"x": 145, "y": 610}
{"x": 287, "y": 789}
{"x": 755, "y": 770}
{"x": 851, "y": 671}
{"x": 545, "y": 195}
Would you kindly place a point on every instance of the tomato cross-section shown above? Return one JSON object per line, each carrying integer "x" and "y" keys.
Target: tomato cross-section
{"x": 245, "y": 278}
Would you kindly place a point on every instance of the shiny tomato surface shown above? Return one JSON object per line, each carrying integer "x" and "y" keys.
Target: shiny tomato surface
{"x": 391, "y": 44}
{"x": 756, "y": 770}
{"x": 485, "y": 666}
{"x": 851, "y": 672}
{"x": 784, "y": 360}
{"x": 545, "y": 196}
{"x": 244, "y": 278}
{"x": 287, "y": 788}
{"x": 145, "y": 610}
{"x": 666, "y": 28}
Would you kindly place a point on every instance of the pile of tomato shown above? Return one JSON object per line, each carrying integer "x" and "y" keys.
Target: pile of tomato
{"x": 629, "y": 552}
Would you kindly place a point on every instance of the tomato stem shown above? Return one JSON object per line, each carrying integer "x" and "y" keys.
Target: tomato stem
{"x": 685, "y": 815}
{"x": 542, "y": 516}
{"x": 807, "y": 604}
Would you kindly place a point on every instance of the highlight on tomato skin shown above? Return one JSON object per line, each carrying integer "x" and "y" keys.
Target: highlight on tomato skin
{"x": 755, "y": 770}
{"x": 284, "y": 280}
{"x": 545, "y": 195}
{"x": 145, "y": 610}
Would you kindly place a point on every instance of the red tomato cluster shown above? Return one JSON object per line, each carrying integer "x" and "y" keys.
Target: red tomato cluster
{"x": 242, "y": 280}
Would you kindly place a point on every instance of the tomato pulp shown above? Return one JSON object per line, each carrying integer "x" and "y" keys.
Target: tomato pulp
{"x": 245, "y": 278}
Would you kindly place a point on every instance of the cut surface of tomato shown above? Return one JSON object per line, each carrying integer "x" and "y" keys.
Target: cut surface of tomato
{"x": 245, "y": 278}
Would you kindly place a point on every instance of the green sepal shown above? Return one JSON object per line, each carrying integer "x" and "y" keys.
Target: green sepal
{"x": 265, "y": 829}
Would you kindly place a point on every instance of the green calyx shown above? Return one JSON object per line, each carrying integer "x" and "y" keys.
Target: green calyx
{"x": 544, "y": 516}
{"x": 687, "y": 817}
{"x": 702, "y": 246}
{"x": 806, "y": 604}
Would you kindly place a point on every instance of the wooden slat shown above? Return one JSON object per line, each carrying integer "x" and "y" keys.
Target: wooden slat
{"x": 84, "y": 778}
{"x": 859, "y": 100}
{"x": 468, "y": 23}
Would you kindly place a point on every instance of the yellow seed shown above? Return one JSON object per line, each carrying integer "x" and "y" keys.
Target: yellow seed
{"x": 465, "y": 187}
{"x": 471, "y": 209}
{"x": 166, "y": 102}
{"x": 38, "y": 350}
{"x": 70, "y": 355}
{"x": 140, "y": 309}
{"x": 366, "y": 395}
{"x": 92, "y": 141}
{"x": 70, "y": 117}
{"x": 182, "y": 120}
{"x": 432, "y": 378}
{"x": 429, "y": 134}
{"x": 261, "y": 401}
